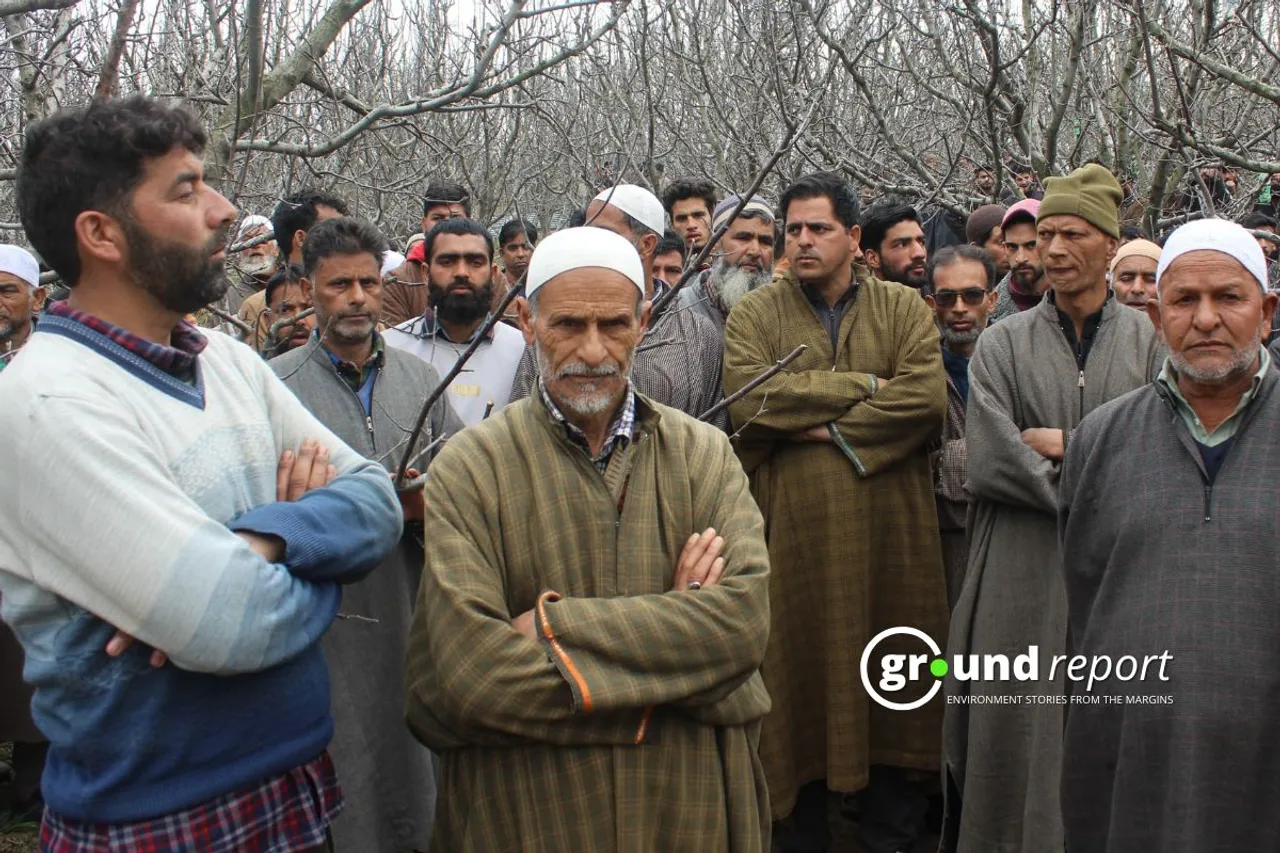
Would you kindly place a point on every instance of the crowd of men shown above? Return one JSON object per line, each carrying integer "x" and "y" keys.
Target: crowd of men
{"x": 620, "y": 593}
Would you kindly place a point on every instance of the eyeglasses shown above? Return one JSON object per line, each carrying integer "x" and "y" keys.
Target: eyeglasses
{"x": 972, "y": 297}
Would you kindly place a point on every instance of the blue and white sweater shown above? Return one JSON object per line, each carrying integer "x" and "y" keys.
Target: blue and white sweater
{"x": 123, "y": 487}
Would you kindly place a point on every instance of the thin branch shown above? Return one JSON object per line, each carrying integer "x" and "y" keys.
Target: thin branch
{"x": 753, "y": 384}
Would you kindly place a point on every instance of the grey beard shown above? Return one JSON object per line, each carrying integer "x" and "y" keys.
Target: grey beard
{"x": 1241, "y": 361}
{"x": 731, "y": 283}
{"x": 7, "y": 328}
{"x": 586, "y": 404}
{"x": 960, "y": 339}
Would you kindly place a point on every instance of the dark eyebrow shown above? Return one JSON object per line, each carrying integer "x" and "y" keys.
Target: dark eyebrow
{"x": 186, "y": 178}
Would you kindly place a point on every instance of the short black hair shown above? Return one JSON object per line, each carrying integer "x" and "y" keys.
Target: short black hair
{"x": 92, "y": 158}
{"x": 1257, "y": 221}
{"x": 690, "y": 188}
{"x": 297, "y": 212}
{"x": 828, "y": 185}
{"x": 345, "y": 235}
{"x": 458, "y": 227}
{"x": 948, "y": 255}
{"x": 514, "y": 228}
{"x": 879, "y": 218}
{"x": 577, "y": 219}
{"x": 446, "y": 192}
{"x": 671, "y": 242}
{"x": 1132, "y": 232}
{"x": 286, "y": 275}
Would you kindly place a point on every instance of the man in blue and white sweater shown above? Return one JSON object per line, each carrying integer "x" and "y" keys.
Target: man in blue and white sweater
{"x": 163, "y": 486}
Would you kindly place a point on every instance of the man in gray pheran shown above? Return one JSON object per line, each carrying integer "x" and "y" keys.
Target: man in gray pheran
{"x": 1169, "y": 515}
{"x": 1032, "y": 378}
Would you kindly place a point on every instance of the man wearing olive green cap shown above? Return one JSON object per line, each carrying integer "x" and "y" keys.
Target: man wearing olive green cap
{"x": 1033, "y": 376}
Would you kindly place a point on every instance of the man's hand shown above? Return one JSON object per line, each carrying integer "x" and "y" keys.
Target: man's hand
{"x": 411, "y": 500}
{"x": 818, "y": 433}
{"x": 1047, "y": 442}
{"x": 700, "y": 561}
{"x": 120, "y": 643}
{"x": 299, "y": 473}
{"x": 525, "y": 625}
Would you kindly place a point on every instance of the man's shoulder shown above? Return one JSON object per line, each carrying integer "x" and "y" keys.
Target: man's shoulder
{"x": 286, "y": 364}
{"x": 1117, "y": 421}
{"x": 509, "y": 338}
{"x": 408, "y": 365}
{"x": 684, "y": 431}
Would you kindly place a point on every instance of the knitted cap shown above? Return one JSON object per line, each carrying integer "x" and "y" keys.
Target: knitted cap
{"x": 1145, "y": 248}
{"x": 979, "y": 224}
{"x": 1091, "y": 192}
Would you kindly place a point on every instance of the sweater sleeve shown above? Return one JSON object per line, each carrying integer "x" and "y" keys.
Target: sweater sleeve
{"x": 336, "y": 533}
{"x": 1001, "y": 467}
{"x": 105, "y": 526}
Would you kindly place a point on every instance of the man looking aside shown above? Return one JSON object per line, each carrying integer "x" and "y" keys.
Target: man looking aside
{"x": 21, "y": 298}
{"x": 893, "y": 245}
{"x": 837, "y": 449}
{"x": 962, "y": 282}
{"x": 690, "y": 203}
{"x": 743, "y": 263}
{"x": 596, "y": 574}
{"x": 219, "y": 517}
{"x": 1025, "y": 285}
{"x": 982, "y": 229}
{"x": 460, "y": 283}
{"x": 1033, "y": 376}
{"x": 369, "y": 396}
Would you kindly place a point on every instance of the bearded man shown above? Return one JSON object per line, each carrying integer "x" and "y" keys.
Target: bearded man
{"x": 584, "y": 655}
{"x": 461, "y": 276}
{"x": 1168, "y": 518}
{"x": 213, "y": 518}
{"x": 744, "y": 262}
{"x": 21, "y": 298}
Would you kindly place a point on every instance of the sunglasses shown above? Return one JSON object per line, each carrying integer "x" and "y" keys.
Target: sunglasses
{"x": 973, "y": 297}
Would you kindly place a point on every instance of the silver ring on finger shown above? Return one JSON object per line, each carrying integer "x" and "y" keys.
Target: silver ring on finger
{"x": 694, "y": 585}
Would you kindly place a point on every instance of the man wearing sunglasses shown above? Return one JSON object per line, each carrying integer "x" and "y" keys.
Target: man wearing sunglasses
{"x": 962, "y": 282}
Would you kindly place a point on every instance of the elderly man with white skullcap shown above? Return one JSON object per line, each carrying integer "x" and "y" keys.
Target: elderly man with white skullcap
{"x": 21, "y": 298}
{"x": 743, "y": 260}
{"x": 679, "y": 363}
{"x": 594, "y": 606}
{"x": 1168, "y": 517}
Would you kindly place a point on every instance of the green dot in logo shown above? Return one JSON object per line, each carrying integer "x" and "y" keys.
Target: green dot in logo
{"x": 939, "y": 668}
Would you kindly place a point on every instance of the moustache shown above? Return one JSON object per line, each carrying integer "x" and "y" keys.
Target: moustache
{"x": 578, "y": 368}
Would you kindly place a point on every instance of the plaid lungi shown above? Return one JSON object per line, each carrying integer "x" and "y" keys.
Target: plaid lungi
{"x": 287, "y": 813}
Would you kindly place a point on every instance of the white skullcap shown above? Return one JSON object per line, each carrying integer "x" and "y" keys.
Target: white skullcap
{"x": 638, "y": 203}
{"x": 1215, "y": 235}
{"x": 578, "y": 248}
{"x": 250, "y": 222}
{"x": 391, "y": 259}
{"x": 16, "y": 260}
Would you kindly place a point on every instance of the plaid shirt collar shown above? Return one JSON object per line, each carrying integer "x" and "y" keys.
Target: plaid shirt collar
{"x": 356, "y": 374}
{"x": 178, "y": 359}
{"x": 622, "y": 429}
{"x": 430, "y": 329}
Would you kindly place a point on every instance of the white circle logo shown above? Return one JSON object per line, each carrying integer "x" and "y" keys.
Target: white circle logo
{"x": 870, "y": 687}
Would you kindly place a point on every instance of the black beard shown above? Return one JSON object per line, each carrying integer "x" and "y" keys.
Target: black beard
{"x": 460, "y": 308}
{"x": 180, "y": 278}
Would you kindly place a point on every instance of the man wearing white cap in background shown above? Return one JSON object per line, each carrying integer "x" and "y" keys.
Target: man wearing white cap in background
{"x": 594, "y": 607}
{"x": 254, "y": 265}
{"x": 21, "y": 298}
{"x": 1168, "y": 520}
{"x": 743, "y": 261}
{"x": 678, "y": 364}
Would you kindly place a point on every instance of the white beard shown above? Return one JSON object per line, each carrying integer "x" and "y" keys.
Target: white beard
{"x": 1241, "y": 361}
{"x": 258, "y": 265}
{"x": 732, "y": 283}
